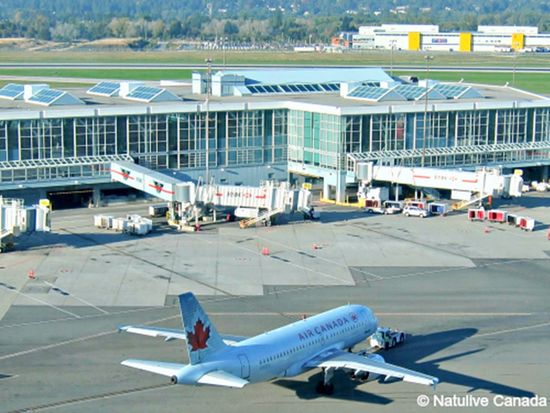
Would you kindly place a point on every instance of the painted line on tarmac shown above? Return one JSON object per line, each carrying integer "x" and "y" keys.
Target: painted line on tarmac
{"x": 218, "y": 299}
{"x": 513, "y": 330}
{"x": 416, "y": 274}
{"x": 42, "y": 302}
{"x": 74, "y": 340}
{"x": 317, "y": 256}
{"x": 86, "y": 399}
{"x": 54, "y": 345}
{"x": 86, "y": 317}
{"x": 232, "y": 244}
{"x": 447, "y": 314}
{"x": 75, "y": 297}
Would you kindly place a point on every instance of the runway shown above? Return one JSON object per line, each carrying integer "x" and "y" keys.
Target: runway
{"x": 165, "y": 66}
{"x": 473, "y": 302}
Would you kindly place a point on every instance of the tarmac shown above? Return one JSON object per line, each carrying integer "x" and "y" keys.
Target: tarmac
{"x": 473, "y": 298}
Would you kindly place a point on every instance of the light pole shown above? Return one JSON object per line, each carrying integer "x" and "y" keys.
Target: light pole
{"x": 207, "y": 126}
{"x": 427, "y": 59}
{"x": 224, "y": 49}
{"x": 514, "y": 57}
{"x": 391, "y": 57}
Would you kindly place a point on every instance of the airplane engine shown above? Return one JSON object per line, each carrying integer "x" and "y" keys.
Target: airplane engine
{"x": 183, "y": 377}
{"x": 366, "y": 376}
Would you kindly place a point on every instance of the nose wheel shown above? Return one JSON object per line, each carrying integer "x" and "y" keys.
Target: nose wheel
{"x": 326, "y": 386}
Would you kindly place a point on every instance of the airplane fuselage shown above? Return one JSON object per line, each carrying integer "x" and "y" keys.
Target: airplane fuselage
{"x": 286, "y": 351}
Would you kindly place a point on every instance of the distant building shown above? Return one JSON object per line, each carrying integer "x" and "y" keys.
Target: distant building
{"x": 429, "y": 38}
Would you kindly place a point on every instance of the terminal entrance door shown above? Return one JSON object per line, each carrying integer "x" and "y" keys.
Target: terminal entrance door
{"x": 76, "y": 198}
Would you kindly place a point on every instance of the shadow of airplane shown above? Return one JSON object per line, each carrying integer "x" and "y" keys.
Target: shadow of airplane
{"x": 416, "y": 348}
{"x": 346, "y": 389}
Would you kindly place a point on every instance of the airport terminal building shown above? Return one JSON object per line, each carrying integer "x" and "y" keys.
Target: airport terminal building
{"x": 428, "y": 37}
{"x": 245, "y": 126}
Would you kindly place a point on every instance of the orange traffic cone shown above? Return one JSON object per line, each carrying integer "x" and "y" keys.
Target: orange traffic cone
{"x": 265, "y": 251}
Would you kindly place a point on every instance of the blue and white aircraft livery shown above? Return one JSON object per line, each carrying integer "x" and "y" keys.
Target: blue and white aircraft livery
{"x": 322, "y": 341}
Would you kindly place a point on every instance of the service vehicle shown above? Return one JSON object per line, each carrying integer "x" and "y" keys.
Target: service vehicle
{"x": 386, "y": 338}
{"x": 413, "y": 211}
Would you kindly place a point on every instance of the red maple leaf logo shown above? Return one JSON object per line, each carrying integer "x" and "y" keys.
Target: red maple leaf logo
{"x": 198, "y": 339}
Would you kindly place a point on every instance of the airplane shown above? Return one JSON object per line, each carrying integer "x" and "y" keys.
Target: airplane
{"x": 322, "y": 341}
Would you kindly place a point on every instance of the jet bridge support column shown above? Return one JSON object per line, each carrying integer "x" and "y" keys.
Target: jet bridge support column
{"x": 341, "y": 186}
{"x": 326, "y": 189}
{"x": 96, "y": 197}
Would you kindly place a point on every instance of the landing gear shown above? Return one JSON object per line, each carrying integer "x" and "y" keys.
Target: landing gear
{"x": 325, "y": 386}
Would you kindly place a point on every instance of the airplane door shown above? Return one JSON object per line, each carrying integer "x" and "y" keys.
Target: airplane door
{"x": 245, "y": 366}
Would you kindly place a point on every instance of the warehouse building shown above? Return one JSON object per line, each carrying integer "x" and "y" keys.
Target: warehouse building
{"x": 246, "y": 126}
{"x": 424, "y": 37}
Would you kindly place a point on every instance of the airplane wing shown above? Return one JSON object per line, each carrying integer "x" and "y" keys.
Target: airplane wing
{"x": 351, "y": 361}
{"x": 173, "y": 333}
{"x": 214, "y": 378}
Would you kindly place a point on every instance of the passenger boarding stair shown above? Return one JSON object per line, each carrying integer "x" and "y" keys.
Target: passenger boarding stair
{"x": 466, "y": 203}
{"x": 265, "y": 217}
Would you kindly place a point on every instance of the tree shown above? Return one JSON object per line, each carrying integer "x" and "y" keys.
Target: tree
{"x": 158, "y": 29}
{"x": 230, "y": 28}
{"x": 39, "y": 28}
{"x": 64, "y": 32}
{"x": 119, "y": 27}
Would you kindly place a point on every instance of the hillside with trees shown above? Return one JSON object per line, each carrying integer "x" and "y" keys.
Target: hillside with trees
{"x": 250, "y": 20}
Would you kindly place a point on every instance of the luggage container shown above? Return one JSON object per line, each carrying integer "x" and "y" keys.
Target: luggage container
{"x": 133, "y": 217}
{"x": 103, "y": 221}
{"x": 243, "y": 212}
{"x": 512, "y": 219}
{"x": 158, "y": 210}
{"x": 141, "y": 227}
{"x": 437, "y": 208}
{"x": 497, "y": 215}
{"x": 476, "y": 214}
{"x": 120, "y": 224}
{"x": 526, "y": 223}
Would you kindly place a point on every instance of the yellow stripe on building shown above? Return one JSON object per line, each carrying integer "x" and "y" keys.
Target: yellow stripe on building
{"x": 415, "y": 41}
{"x": 465, "y": 43}
{"x": 518, "y": 41}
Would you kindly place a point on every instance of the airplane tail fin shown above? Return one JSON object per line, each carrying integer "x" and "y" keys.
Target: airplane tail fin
{"x": 202, "y": 337}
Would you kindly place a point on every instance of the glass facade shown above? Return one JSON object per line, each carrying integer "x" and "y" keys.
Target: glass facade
{"x": 316, "y": 139}
{"x": 178, "y": 140}
{"x": 50, "y": 148}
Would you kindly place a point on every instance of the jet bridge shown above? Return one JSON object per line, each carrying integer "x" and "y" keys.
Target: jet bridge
{"x": 191, "y": 201}
{"x": 466, "y": 186}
